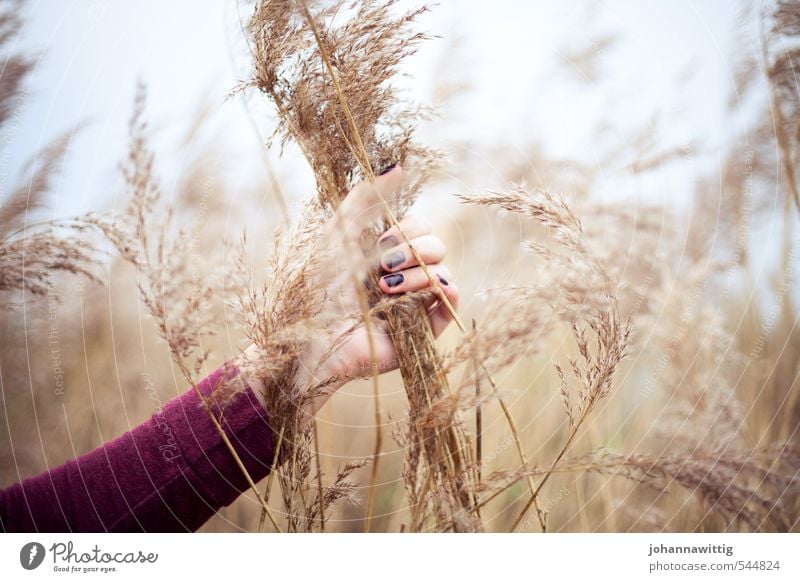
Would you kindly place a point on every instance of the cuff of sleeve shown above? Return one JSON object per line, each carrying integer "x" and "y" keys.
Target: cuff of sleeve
{"x": 244, "y": 421}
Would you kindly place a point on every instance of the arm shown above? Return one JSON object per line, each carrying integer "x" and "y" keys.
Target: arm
{"x": 174, "y": 472}
{"x": 171, "y": 473}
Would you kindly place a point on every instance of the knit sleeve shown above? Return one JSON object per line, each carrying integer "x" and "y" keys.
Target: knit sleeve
{"x": 171, "y": 473}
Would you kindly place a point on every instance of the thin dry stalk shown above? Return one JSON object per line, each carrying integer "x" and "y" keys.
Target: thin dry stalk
{"x": 32, "y": 251}
{"x": 782, "y": 75}
{"x": 588, "y": 297}
{"x": 320, "y": 497}
{"x": 151, "y": 260}
{"x": 478, "y": 418}
{"x": 268, "y": 487}
{"x": 335, "y": 147}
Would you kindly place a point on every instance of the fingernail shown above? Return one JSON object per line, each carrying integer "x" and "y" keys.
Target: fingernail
{"x": 387, "y": 169}
{"x": 394, "y": 259}
{"x": 393, "y": 280}
{"x": 388, "y": 242}
{"x": 442, "y": 280}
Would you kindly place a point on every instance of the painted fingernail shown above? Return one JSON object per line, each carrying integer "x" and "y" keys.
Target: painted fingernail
{"x": 394, "y": 259}
{"x": 393, "y": 280}
{"x": 442, "y": 280}
{"x": 387, "y": 169}
{"x": 389, "y": 242}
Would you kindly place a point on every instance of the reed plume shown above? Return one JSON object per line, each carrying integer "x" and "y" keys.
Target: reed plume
{"x": 328, "y": 73}
{"x": 33, "y": 251}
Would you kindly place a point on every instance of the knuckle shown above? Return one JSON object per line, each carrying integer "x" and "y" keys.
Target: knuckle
{"x": 453, "y": 292}
{"x": 434, "y": 247}
{"x": 423, "y": 225}
{"x": 415, "y": 225}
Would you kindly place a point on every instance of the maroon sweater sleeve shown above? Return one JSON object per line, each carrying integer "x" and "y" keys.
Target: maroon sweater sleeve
{"x": 171, "y": 473}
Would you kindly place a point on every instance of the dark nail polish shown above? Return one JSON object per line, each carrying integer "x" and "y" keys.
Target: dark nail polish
{"x": 387, "y": 169}
{"x": 389, "y": 242}
{"x": 394, "y": 259}
{"x": 442, "y": 280}
{"x": 393, "y": 280}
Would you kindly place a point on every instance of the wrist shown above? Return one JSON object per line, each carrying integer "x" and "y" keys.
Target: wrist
{"x": 321, "y": 372}
{"x": 247, "y": 363}
{"x": 324, "y": 377}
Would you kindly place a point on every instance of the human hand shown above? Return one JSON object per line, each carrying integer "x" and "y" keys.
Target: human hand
{"x": 353, "y": 358}
{"x": 342, "y": 349}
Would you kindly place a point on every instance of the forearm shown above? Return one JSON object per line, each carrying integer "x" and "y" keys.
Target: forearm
{"x": 171, "y": 473}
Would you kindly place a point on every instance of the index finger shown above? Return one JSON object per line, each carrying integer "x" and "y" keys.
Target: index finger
{"x": 364, "y": 203}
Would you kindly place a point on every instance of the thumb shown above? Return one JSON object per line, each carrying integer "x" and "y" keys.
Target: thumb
{"x": 363, "y": 204}
{"x": 360, "y": 209}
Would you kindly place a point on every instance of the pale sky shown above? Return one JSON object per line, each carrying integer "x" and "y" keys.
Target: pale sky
{"x": 672, "y": 64}
{"x": 190, "y": 51}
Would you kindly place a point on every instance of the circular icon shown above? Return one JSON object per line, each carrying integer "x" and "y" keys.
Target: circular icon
{"x": 31, "y": 555}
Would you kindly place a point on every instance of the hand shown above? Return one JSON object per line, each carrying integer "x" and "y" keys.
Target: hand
{"x": 351, "y": 356}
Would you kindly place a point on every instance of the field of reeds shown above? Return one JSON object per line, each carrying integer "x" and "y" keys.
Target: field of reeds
{"x": 616, "y": 363}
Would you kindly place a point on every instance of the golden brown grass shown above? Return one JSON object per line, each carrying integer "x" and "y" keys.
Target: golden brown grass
{"x": 602, "y": 388}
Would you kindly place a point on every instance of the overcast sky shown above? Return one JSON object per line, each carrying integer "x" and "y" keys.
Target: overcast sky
{"x": 672, "y": 63}
{"x": 190, "y": 51}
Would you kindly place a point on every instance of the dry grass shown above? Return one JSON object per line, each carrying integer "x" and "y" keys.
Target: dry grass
{"x": 603, "y": 387}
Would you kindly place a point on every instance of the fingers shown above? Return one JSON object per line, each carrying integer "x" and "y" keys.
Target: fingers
{"x": 414, "y": 279}
{"x": 429, "y": 248}
{"x": 406, "y": 275}
{"x": 339, "y": 249}
{"x": 362, "y": 206}
{"x": 413, "y": 226}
